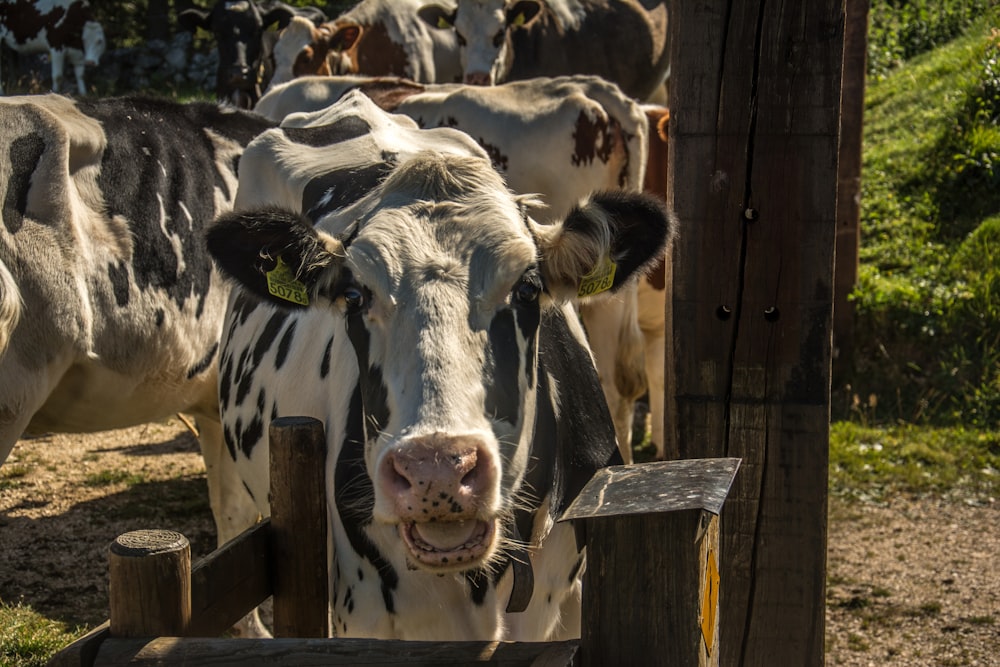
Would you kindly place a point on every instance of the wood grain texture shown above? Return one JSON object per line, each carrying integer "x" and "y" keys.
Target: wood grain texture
{"x": 754, "y": 123}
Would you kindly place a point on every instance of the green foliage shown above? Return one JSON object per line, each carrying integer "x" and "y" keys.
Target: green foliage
{"x": 928, "y": 318}
{"x": 901, "y": 29}
{"x": 28, "y": 639}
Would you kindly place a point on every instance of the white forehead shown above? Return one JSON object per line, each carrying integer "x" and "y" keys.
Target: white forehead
{"x": 479, "y": 16}
{"x": 439, "y": 218}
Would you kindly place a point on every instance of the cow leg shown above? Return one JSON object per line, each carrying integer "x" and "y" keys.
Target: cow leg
{"x": 617, "y": 344}
{"x": 58, "y": 58}
{"x": 81, "y": 85}
{"x": 652, "y": 322}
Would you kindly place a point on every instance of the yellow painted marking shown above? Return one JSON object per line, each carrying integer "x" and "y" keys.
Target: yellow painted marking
{"x": 710, "y": 601}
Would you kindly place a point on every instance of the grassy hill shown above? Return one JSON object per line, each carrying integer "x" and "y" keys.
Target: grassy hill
{"x": 928, "y": 301}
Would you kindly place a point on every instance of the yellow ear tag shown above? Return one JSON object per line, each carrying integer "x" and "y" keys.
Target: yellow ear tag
{"x": 600, "y": 279}
{"x": 282, "y": 284}
{"x": 519, "y": 19}
{"x": 443, "y": 23}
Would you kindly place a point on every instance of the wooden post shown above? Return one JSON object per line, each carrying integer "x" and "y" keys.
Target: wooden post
{"x": 754, "y": 123}
{"x": 852, "y": 105}
{"x": 645, "y": 604}
{"x": 150, "y": 584}
{"x": 299, "y": 527}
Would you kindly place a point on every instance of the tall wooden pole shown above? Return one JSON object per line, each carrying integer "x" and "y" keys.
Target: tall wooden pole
{"x": 754, "y": 120}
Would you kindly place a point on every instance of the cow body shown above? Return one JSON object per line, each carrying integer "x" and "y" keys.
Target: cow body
{"x": 110, "y": 307}
{"x": 624, "y": 41}
{"x": 375, "y": 38}
{"x": 240, "y": 27}
{"x": 562, "y": 138}
{"x": 395, "y": 289}
{"x": 65, "y": 29}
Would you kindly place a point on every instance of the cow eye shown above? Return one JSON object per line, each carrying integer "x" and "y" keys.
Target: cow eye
{"x": 527, "y": 290}
{"x": 354, "y": 299}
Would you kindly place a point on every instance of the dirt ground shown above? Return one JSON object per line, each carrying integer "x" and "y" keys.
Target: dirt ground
{"x": 911, "y": 583}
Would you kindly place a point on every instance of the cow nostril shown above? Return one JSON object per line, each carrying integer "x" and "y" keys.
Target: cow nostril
{"x": 399, "y": 481}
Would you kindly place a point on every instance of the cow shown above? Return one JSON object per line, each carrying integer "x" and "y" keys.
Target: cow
{"x": 111, "y": 309}
{"x": 376, "y": 38}
{"x": 561, "y": 138}
{"x": 624, "y": 41}
{"x": 393, "y": 287}
{"x": 65, "y": 29}
{"x": 245, "y": 44}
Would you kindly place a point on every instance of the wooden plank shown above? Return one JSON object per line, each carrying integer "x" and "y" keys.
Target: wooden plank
{"x": 83, "y": 651}
{"x": 647, "y": 488}
{"x": 755, "y": 122}
{"x": 231, "y": 581}
{"x": 326, "y": 652}
{"x": 641, "y": 601}
{"x": 852, "y": 106}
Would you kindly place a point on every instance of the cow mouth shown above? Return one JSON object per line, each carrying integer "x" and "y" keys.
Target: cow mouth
{"x": 448, "y": 544}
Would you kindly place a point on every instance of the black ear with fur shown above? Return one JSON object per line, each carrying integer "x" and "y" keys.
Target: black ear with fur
{"x": 603, "y": 243}
{"x": 640, "y": 226}
{"x": 437, "y": 16}
{"x": 275, "y": 254}
{"x": 523, "y": 12}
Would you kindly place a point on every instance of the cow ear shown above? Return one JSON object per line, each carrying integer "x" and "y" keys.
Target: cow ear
{"x": 523, "y": 12}
{"x": 437, "y": 16}
{"x": 345, "y": 36}
{"x": 192, "y": 19}
{"x": 277, "y": 255}
{"x": 603, "y": 243}
{"x": 277, "y": 12}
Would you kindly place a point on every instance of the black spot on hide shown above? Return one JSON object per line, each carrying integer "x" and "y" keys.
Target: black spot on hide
{"x": 204, "y": 364}
{"x": 284, "y": 345}
{"x": 336, "y": 189}
{"x": 345, "y": 129}
{"x": 118, "y": 275}
{"x": 23, "y": 157}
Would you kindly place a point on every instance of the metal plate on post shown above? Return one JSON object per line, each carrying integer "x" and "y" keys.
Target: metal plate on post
{"x": 649, "y": 488}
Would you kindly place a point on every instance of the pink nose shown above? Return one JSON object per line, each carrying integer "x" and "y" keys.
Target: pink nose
{"x": 478, "y": 79}
{"x": 438, "y": 477}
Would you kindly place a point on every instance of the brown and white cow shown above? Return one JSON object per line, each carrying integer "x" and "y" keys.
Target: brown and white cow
{"x": 392, "y": 286}
{"x": 66, "y": 29}
{"x": 624, "y": 41}
{"x": 562, "y": 138}
{"x": 375, "y": 38}
{"x": 245, "y": 43}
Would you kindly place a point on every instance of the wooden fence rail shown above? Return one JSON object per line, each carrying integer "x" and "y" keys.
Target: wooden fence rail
{"x": 637, "y": 608}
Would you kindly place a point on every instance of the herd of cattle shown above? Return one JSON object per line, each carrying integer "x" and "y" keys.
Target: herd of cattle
{"x": 423, "y": 224}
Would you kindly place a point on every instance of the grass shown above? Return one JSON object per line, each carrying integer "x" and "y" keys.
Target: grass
{"x": 875, "y": 463}
{"x": 28, "y": 639}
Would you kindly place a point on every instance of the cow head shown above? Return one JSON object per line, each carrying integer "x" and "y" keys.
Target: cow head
{"x": 239, "y": 28}
{"x": 438, "y": 286}
{"x": 483, "y": 31}
{"x": 305, "y": 49}
{"x": 93, "y": 43}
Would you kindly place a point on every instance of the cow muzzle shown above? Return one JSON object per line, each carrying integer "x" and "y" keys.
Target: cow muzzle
{"x": 441, "y": 491}
{"x": 478, "y": 79}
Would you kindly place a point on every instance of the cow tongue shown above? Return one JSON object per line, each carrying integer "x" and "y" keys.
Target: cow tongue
{"x": 445, "y": 535}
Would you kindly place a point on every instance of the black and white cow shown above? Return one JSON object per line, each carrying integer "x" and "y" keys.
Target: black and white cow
{"x": 394, "y": 288}
{"x": 65, "y": 29}
{"x": 110, "y": 307}
{"x": 245, "y": 44}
